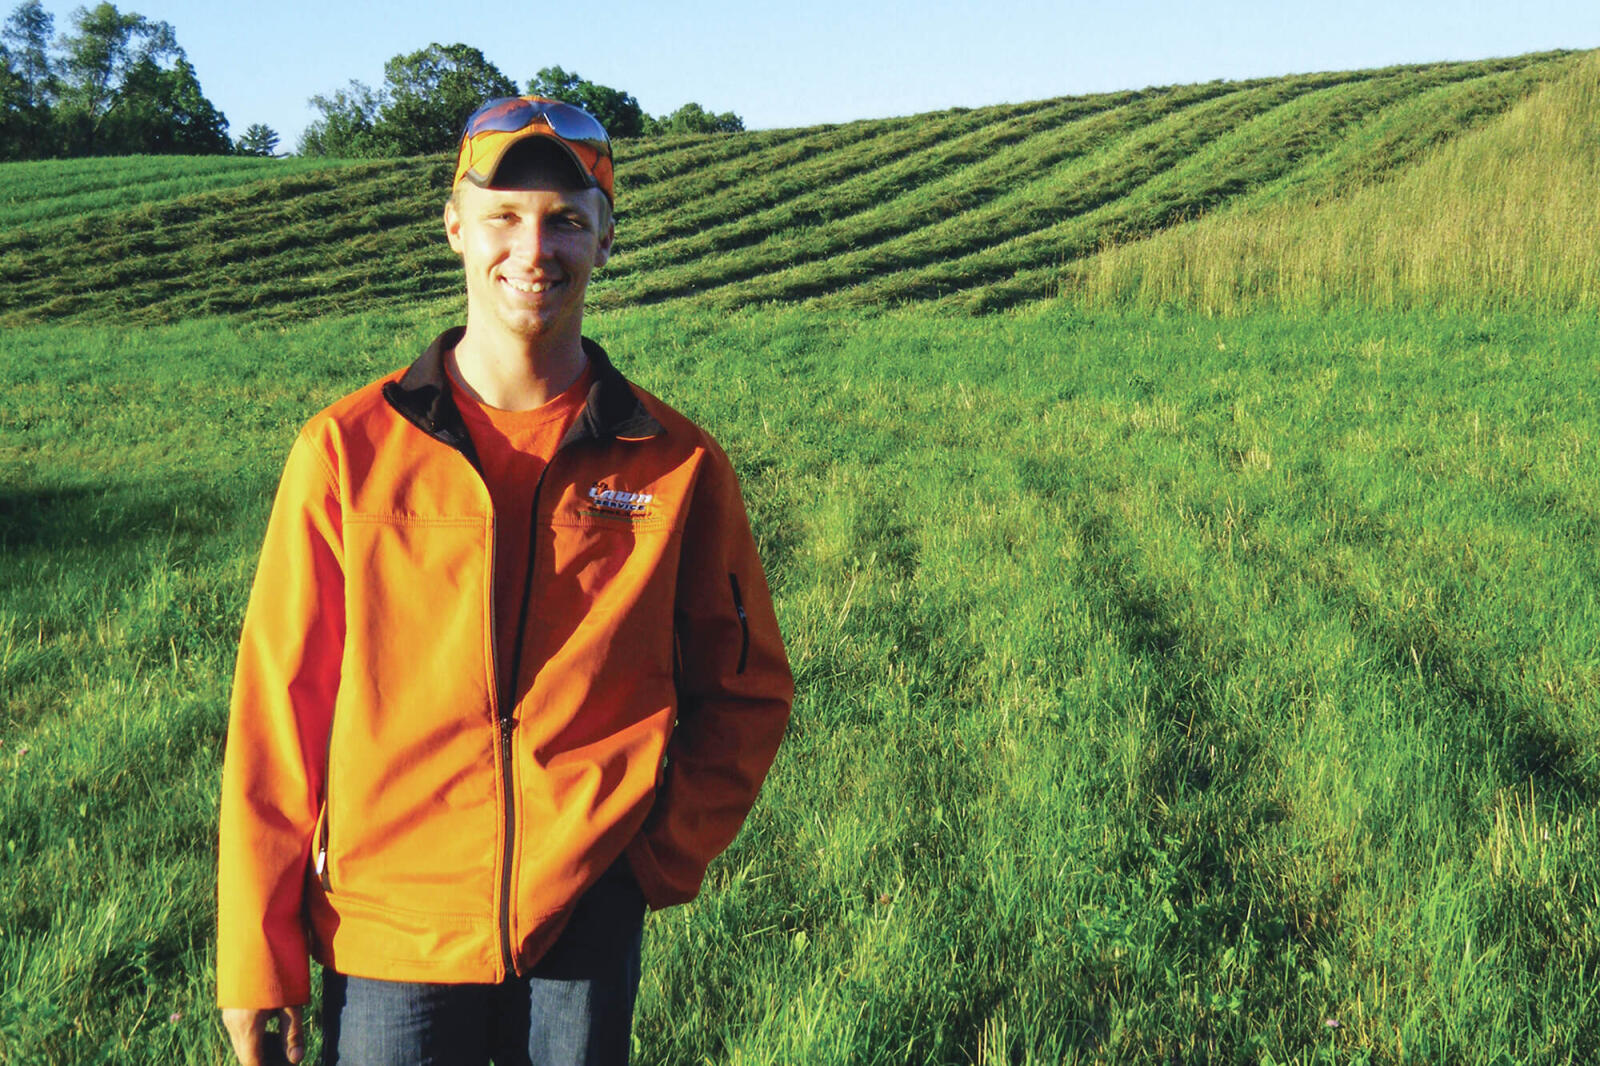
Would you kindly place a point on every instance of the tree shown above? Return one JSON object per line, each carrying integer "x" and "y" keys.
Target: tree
{"x": 345, "y": 128}
{"x": 126, "y": 86}
{"x": 692, "y": 118}
{"x": 258, "y": 139}
{"x": 13, "y": 119}
{"x": 118, "y": 83}
{"x": 162, "y": 111}
{"x": 26, "y": 40}
{"x": 428, "y": 95}
{"x": 109, "y": 45}
{"x": 617, "y": 111}
{"x": 420, "y": 109}
{"x": 27, "y": 82}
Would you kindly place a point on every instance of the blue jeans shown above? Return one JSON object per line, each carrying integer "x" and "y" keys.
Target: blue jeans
{"x": 574, "y": 1008}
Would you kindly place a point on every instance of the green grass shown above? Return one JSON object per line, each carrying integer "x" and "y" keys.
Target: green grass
{"x": 40, "y": 192}
{"x": 1169, "y": 687}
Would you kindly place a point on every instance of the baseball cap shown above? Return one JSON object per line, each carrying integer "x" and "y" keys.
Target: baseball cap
{"x": 501, "y": 123}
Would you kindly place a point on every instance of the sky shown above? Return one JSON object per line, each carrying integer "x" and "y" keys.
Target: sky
{"x": 780, "y": 65}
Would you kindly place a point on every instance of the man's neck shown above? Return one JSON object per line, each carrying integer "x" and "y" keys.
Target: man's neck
{"x": 515, "y": 373}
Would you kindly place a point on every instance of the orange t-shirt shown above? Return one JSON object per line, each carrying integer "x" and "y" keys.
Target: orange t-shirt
{"x": 513, "y": 449}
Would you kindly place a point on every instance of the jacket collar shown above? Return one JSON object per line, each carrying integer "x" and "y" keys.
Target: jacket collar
{"x": 423, "y": 396}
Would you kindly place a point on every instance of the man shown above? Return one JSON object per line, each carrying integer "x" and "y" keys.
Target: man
{"x": 510, "y": 670}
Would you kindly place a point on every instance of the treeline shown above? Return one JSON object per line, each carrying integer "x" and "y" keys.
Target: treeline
{"x": 119, "y": 84}
{"x": 427, "y": 95}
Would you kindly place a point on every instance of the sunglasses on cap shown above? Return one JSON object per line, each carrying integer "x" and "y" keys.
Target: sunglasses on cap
{"x": 499, "y": 124}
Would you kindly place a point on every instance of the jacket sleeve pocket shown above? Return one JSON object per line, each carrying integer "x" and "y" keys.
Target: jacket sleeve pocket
{"x": 744, "y": 623}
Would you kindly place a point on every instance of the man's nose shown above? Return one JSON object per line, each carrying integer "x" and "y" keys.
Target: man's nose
{"x": 532, "y": 241}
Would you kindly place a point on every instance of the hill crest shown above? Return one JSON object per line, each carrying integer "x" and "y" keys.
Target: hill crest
{"x": 981, "y": 208}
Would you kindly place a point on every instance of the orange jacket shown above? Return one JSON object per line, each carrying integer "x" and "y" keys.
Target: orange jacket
{"x": 382, "y": 809}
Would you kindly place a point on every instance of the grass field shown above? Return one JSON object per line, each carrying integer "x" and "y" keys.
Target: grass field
{"x": 1198, "y": 657}
{"x": 1170, "y": 689}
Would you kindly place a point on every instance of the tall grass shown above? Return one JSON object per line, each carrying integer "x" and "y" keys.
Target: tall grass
{"x": 1504, "y": 217}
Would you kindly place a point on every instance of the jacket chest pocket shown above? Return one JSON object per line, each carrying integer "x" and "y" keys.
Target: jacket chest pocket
{"x": 613, "y": 580}
{"x": 595, "y": 558}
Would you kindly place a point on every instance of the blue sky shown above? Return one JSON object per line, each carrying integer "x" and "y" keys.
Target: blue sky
{"x": 835, "y": 60}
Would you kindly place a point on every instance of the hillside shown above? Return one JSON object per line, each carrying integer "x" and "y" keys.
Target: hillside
{"x": 984, "y": 208}
{"x": 1506, "y": 217}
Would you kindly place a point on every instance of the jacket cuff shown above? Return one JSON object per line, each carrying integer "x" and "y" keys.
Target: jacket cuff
{"x": 264, "y": 976}
{"x": 659, "y": 889}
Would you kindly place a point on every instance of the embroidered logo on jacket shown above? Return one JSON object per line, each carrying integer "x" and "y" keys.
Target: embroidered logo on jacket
{"x": 606, "y": 500}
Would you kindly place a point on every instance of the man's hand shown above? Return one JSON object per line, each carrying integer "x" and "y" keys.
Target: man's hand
{"x": 255, "y": 1046}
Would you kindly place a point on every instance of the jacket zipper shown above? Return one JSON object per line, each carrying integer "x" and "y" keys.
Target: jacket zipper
{"x": 744, "y": 622}
{"x": 508, "y": 723}
{"x": 507, "y": 799}
{"x": 503, "y": 726}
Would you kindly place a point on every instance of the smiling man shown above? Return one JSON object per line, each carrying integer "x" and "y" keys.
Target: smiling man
{"x": 510, "y": 672}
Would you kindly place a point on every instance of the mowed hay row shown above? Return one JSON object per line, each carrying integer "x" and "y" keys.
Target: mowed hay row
{"x": 642, "y": 162}
{"x": 656, "y": 209}
{"x": 666, "y": 172}
{"x": 1135, "y": 183}
{"x": 1504, "y": 217}
{"x": 1032, "y": 268}
{"x": 159, "y": 261}
{"x": 737, "y": 196}
{"x": 786, "y": 246}
{"x": 868, "y": 201}
{"x": 1038, "y": 228}
{"x": 42, "y": 191}
{"x": 985, "y": 207}
{"x": 1403, "y": 133}
{"x": 265, "y": 217}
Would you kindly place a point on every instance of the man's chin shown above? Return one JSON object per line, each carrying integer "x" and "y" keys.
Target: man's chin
{"x": 526, "y": 319}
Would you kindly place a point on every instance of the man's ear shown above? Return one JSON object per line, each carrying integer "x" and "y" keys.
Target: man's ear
{"x": 452, "y": 225}
{"x": 603, "y": 253}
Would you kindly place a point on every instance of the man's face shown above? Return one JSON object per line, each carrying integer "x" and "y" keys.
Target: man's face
{"x": 528, "y": 254}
